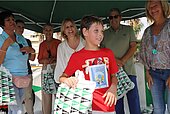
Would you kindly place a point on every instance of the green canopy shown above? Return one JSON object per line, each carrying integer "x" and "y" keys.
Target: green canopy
{"x": 38, "y": 12}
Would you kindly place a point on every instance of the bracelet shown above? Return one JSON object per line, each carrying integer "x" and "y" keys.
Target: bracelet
{"x": 2, "y": 51}
{"x": 33, "y": 53}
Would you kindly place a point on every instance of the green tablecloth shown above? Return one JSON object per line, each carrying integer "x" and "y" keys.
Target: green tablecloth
{"x": 36, "y": 88}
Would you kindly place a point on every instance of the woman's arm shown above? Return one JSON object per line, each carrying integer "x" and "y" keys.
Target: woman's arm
{"x": 4, "y": 48}
{"x": 60, "y": 63}
{"x": 41, "y": 59}
{"x": 149, "y": 78}
{"x": 30, "y": 51}
{"x": 32, "y": 56}
{"x": 2, "y": 55}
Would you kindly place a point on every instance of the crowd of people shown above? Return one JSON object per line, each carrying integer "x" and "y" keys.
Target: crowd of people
{"x": 114, "y": 48}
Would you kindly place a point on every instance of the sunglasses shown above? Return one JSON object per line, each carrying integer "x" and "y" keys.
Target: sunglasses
{"x": 115, "y": 17}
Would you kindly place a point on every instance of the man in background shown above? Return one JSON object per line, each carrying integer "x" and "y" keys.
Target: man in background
{"x": 122, "y": 41}
{"x": 29, "y": 103}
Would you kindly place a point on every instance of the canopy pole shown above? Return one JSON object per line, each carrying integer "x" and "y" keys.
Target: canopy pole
{"x": 131, "y": 17}
{"x": 133, "y": 9}
{"x": 28, "y": 19}
{"x": 52, "y": 11}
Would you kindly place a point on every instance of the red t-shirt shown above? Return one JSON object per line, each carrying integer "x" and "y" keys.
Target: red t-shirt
{"x": 82, "y": 59}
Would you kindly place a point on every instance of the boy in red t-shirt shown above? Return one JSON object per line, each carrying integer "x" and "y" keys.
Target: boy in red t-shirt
{"x": 98, "y": 64}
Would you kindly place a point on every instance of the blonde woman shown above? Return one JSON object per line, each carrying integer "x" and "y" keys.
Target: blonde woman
{"x": 71, "y": 44}
{"x": 155, "y": 53}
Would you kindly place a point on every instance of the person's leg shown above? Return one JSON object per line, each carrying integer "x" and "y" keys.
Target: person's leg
{"x": 46, "y": 103}
{"x": 20, "y": 104}
{"x": 18, "y": 108}
{"x": 167, "y": 74}
{"x": 168, "y": 99}
{"x": 133, "y": 98}
{"x": 12, "y": 109}
{"x": 9, "y": 109}
{"x": 120, "y": 106}
{"x": 46, "y": 98}
{"x": 28, "y": 98}
{"x": 157, "y": 91}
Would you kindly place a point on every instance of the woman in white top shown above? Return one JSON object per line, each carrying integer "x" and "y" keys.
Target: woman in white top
{"x": 71, "y": 44}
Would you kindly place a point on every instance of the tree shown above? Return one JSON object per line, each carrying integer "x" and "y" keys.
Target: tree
{"x": 137, "y": 25}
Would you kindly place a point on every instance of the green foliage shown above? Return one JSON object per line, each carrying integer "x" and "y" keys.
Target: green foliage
{"x": 137, "y": 25}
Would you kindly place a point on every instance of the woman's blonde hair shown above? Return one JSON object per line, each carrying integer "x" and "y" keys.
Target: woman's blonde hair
{"x": 165, "y": 9}
{"x": 63, "y": 28}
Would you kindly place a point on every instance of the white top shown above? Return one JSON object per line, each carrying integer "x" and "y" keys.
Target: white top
{"x": 64, "y": 53}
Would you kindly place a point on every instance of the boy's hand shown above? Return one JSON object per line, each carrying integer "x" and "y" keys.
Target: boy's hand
{"x": 71, "y": 82}
{"x": 110, "y": 96}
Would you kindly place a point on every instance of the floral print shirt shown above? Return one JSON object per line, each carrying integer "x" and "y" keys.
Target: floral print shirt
{"x": 161, "y": 58}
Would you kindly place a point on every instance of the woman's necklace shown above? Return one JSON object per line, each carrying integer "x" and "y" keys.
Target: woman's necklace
{"x": 154, "y": 44}
{"x": 155, "y": 35}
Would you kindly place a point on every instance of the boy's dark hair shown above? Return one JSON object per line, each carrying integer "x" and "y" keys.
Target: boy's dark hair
{"x": 20, "y": 21}
{"x": 3, "y": 16}
{"x": 87, "y": 21}
{"x": 114, "y": 9}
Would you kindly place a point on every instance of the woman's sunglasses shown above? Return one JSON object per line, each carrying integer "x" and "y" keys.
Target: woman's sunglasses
{"x": 115, "y": 17}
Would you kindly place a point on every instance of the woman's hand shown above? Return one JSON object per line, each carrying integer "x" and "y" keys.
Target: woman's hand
{"x": 27, "y": 49}
{"x": 46, "y": 61}
{"x": 52, "y": 60}
{"x": 7, "y": 43}
{"x": 149, "y": 78}
{"x": 71, "y": 82}
{"x": 110, "y": 96}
